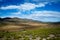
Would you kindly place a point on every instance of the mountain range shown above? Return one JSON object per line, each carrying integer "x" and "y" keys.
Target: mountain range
{"x": 19, "y": 23}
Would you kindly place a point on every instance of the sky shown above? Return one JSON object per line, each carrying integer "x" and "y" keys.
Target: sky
{"x": 41, "y": 10}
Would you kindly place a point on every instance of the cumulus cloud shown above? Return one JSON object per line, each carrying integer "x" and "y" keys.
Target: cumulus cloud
{"x": 25, "y": 6}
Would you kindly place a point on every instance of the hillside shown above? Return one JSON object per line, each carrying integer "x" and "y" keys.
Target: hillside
{"x": 27, "y": 29}
{"x": 18, "y": 23}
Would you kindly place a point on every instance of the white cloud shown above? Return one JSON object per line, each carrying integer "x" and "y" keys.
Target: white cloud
{"x": 45, "y": 0}
{"x": 9, "y": 7}
{"x": 25, "y": 6}
{"x": 46, "y": 16}
{"x": 37, "y": 14}
{"x": 42, "y": 4}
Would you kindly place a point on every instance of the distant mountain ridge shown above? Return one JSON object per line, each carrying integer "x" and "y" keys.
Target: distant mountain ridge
{"x": 27, "y": 20}
{"x": 18, "y": 23}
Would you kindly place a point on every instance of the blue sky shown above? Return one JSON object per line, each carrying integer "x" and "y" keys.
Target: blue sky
{"x": 41, "y": 10}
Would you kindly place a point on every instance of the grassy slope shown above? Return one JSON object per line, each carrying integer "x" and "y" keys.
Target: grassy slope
{"x": 42, "y": 32}
{"x": 29, "y": 28}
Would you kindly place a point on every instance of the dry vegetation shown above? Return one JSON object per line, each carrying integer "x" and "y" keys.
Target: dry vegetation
{"x": 22, "y": 29}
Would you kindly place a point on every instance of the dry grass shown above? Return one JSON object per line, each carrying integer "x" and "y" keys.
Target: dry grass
{"x": 29, "y": 25}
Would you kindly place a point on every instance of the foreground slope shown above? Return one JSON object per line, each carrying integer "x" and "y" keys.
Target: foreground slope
{"x": 24, "y": 29}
